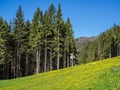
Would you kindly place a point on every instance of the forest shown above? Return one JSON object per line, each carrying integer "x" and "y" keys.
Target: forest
{"x": 47, "y": 43}
{"x": 43, "y": 44}
{"x": 106, "y": 45}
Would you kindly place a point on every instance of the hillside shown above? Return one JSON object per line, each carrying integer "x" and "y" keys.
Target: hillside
{"x": 81, "y": 40}
{"x": 106, "y": 45}
{"x": 99, "y": 75}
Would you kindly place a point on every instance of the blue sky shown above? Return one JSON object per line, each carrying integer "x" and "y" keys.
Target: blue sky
{"x": 88, "y": 17}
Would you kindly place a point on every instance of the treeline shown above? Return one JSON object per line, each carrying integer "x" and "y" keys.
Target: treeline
{"x": 43, "y": 44}
{"x": 106, "y": 45}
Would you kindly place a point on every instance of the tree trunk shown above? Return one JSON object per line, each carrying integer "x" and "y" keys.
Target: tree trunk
{"x": 64, "y": 59}
{"x": 18, "y": 60}
{"x": 4, "y": 71}
{"x": 68, "y": 60}
{"x": 26, "y": 72}
{"x": 10, "y": 70}
{"x": 110, "y": 53}
{"x": 58, "y": 52}
{"x": 19, "y": 66}
{"x": 39, "y": 57}
{"x": 14, "y": 67}
{"x": 1, "y": 70}
{"x": 71, "y": 59}
{"x": 37, "y": 61}
{"x": 118, "y": 51}
{"x": 72, "y": 62}
{"x": 7, "y": 70}
{"x": 51, "y": 59}
{"x": 45, "y": 61}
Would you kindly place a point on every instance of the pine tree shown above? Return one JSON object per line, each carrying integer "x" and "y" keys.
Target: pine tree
{"x": 59, "y": 24}
{"x": 4, "y": 50}
{"x": 18, "y": 32}
{"x": 46, "y": 35}
{"x": 51, "y": 41}
{"x": 35, "y": 35}
{"x": 26, "y": 47}
{"x": 2, "y": 40}
{"x": 70, "y": 44}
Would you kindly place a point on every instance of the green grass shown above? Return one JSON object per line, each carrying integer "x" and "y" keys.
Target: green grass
{"x": 100, "y": 75}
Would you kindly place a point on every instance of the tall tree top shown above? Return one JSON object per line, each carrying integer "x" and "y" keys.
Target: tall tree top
{"x": 38, "y": 16}
{"x": 19, "y": 14}
{"x": 59, "y": 13}
{"x": 52, "y": 10}
{"x": 52, "y": 13}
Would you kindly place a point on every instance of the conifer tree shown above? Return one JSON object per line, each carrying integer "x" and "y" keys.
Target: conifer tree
{"x": 26, "y": 46}
{"x": 18, "y": 32}
{"x": 4, "y": 50}
{"x": 35, "y": 35}
{"x": 51, "y": 41}
{"x": 59, "y": 24}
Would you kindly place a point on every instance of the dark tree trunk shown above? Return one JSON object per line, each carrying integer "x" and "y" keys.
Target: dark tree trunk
{"x": 7, "y": 71}
{"x": 4, "y": 71}
{"x": 27, "y": 62}
{"x": 18, "y": 59}
{"x": 51, "y": 59}
{"x": 68, "y": 60}
{"x": 58, "y": 52}
{"x": 64, "y": 59}
{"x": 118, "y": 51}
{"x": 45, "y": 60}
{"x": 14, "y": 67}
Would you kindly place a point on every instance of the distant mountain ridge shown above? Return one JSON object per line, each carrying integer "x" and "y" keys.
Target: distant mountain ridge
{"x": 81, "y": 40}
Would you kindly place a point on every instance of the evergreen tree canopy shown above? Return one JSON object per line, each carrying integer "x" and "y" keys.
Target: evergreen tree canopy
{"x": 29, "y": 47}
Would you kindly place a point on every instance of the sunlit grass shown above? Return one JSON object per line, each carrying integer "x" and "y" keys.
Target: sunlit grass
{"x": 100, "y": 75}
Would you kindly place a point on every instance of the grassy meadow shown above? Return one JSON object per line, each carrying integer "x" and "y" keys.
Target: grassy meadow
{"x": 99, "y": 75}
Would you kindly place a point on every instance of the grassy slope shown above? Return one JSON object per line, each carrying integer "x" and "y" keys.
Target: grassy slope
{"x": 100, "y": 75}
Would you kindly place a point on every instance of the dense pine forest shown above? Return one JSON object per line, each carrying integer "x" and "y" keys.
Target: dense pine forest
{"x": 106, "y": 45}
{"x": 28, "y": 47}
